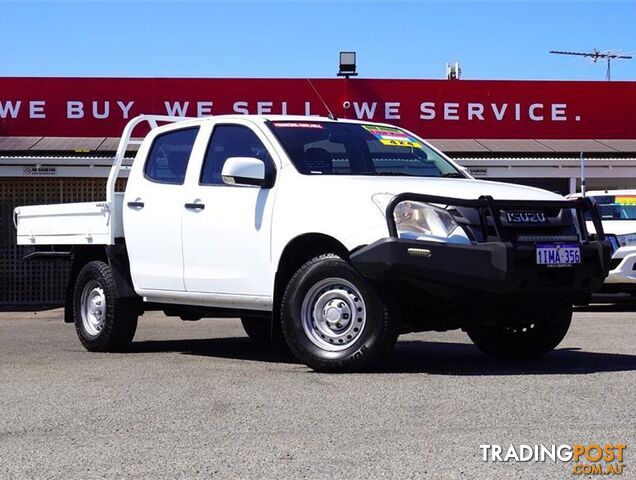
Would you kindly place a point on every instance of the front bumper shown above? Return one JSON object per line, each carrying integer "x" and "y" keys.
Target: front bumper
{"x": 501, "y": 266}
{"x": 493, "y": 268}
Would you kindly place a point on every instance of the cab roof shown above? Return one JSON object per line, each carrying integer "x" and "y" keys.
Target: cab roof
{"x": 286, "y": 118}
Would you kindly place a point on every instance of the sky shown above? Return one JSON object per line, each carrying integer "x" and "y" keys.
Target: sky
{"x": 393, "y": 39}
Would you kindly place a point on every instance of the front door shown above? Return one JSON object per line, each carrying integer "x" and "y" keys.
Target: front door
{"x": 226, "y": 228}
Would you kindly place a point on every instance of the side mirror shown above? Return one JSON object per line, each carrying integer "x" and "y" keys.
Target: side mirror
{"x": 244, "y": 171}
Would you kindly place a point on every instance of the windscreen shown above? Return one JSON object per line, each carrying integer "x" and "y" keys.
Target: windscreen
{"x": 335, "y": 148}
{"x": 617, "y": 207}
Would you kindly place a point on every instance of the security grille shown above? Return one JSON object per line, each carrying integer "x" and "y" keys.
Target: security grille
{"x": 37, "y": 282}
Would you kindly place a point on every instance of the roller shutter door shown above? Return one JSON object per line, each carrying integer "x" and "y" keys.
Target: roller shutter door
{"x": 38, "y": 282}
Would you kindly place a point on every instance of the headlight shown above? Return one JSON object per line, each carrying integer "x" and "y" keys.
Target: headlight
{"x": 626, "y": 240}
{"x": 422, "y": 221}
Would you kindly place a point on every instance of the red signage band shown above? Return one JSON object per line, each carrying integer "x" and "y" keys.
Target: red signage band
{"x": 93, "y": 107}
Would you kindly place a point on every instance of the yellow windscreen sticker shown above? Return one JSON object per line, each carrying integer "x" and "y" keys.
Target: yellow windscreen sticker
{"x": 625, "y": 200}
{"x": 392, "y": 136}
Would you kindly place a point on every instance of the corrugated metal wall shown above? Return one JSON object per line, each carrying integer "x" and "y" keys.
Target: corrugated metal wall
{"x": 38, "y": 282}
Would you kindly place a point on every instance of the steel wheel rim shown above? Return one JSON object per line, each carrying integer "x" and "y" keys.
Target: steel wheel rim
{"x": 333, "y": 314}
{"x": 93, "y": 308}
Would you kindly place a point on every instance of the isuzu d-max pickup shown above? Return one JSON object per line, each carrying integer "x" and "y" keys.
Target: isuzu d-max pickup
{"x": 330, "y": 236}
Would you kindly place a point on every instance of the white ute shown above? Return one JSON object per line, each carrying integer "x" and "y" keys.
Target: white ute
{"x": 618, "y": 216}
{"x": 330, "y": 236}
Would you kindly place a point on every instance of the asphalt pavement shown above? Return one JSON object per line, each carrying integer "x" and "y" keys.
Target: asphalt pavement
{"x": 197, "y": 400}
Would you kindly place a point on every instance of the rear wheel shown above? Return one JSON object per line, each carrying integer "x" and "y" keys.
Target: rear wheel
{"x": 531, "y": 339}
{"x": 103, "y": 321}
{"x": 333, "y": 319}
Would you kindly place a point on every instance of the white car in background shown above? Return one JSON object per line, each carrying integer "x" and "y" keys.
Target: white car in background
{"x": 618, "y": 215}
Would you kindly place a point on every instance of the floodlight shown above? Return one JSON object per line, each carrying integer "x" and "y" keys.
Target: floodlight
{"x": 347, "y": 64}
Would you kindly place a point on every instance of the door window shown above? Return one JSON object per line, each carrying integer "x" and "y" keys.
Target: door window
{"x": 168, "y": 158}
{"x": 231, "y": 141}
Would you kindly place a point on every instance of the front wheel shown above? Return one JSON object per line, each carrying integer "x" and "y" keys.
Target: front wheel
{"x": 103, "y": 321}
{"x": 532, "y": 339}
{"x": 332, "y": 318}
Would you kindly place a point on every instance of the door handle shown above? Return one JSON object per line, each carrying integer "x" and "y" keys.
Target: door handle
{"x": 136, "y": 204}
{"x": 195, "y": 206}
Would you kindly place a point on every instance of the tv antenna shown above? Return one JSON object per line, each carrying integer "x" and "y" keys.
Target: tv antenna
{"x": 331, "y": 115}
{"x": 597, "y": 55}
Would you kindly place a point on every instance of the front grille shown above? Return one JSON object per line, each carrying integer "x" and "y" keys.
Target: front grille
{"x": 547, "y": 238}
{"x": 560, "y": 226}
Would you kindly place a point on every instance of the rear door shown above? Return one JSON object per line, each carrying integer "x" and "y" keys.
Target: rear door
{"x": 226, "y": 228}
{"x": 153, "y": 206}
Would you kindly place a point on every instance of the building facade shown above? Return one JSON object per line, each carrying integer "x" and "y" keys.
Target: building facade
{"x": 58, "y": 135}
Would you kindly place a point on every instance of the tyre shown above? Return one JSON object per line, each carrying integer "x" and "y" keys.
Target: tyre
{"x": 103, "y": 322}
{"x": 537, "y": 337}
{"x": 332, "y": 318}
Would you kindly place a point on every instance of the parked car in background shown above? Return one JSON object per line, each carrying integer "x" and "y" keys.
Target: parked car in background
{"x": 618, "y": 215}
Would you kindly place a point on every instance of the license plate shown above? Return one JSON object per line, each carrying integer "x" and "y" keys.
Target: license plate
{"x": 558, "y": 254}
